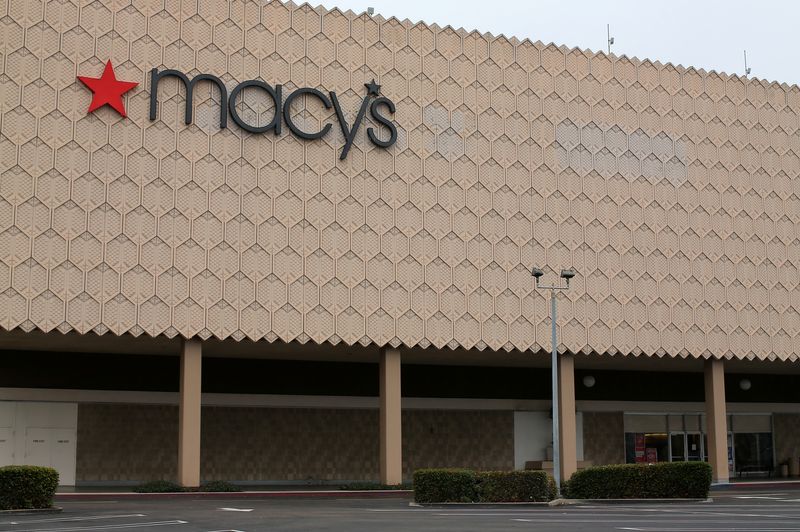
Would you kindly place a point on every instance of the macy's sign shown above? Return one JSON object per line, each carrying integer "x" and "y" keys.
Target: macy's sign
{"x": 107, "y": 90}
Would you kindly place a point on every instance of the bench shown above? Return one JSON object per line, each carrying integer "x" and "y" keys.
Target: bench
{"x": 755, "y": 469}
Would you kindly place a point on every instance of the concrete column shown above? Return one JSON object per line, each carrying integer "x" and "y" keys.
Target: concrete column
{"x": 567, "y": 424}
{"x": 716, "y": 420}
{"x": 189, "y": 415}
{"x": 391, "y": 431}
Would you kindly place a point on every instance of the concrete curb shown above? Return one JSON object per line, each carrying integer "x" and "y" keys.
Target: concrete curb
{"x": 555, "y": 502}
{"x": 31, "y": 511}
{"x": 474, "y": 504}
{"x": 563, "y": 502}
{"x": 336, "y": 494}
{"x": 770, "y": 484}
{"x": 632, "y": 501}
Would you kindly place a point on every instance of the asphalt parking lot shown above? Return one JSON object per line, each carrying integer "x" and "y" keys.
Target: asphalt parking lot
{"x": 731, "y": 511}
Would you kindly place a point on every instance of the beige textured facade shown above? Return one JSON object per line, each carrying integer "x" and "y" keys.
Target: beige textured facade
{"x": 673, "y": 192}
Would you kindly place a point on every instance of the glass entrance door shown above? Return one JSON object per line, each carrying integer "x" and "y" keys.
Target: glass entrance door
{"x": 677, "y": 441}
{"x": 694, "y": 447}
{"x": 686, "y": 446}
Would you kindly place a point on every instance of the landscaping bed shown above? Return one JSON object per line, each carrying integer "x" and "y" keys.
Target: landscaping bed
{"x": 674, "y": 480}
{"x": 467, "y": 486}
{"x": 26, "y": 487}
{"x": 165, "y": 486}
{"x": 669, "y": 480}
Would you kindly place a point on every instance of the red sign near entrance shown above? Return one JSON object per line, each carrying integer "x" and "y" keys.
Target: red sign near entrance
{"x": 652, "y": 455}
{"x": 639, "y": 448}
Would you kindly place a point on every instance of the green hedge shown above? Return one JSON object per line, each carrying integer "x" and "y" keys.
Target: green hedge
{"x": 641, "y": 481}
{"x": 166, "y": 486}
{"x": 515, "y": 486}
{"x": 464, "y": 485}
{"x": 445, "y": 485}
{"x": 26, "y": 487}
{"x": 219, "y": 486}
{"x": 158, "y": 486}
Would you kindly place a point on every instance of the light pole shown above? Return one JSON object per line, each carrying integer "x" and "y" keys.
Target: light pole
{"x": 566, "y": 275}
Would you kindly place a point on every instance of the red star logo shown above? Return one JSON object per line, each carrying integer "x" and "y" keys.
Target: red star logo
{"x": 107, "y": 90}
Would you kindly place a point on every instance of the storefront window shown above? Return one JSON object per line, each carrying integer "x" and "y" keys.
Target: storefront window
{"x": 682, "y": 437}
{"x": 646, "y": 447}
{"x": 753, "y": 453}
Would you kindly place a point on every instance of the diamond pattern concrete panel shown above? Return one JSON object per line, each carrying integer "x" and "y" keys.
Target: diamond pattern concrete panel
{"x": 673, "y": 191}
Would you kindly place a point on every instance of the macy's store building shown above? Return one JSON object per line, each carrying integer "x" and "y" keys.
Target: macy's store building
{"x": 287, "y": 244}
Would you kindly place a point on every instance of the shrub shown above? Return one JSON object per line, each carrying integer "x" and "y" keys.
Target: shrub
{"x": 159, "y": 486}
{"x": 514, "y": 486}
{"x": 641, "y": 481}
{"x": 551, "y": 488}
{"x": 219, "y": 486}
{"x": 444, "y": 485}
{"x": 25, "y": 487}
{"x": 463, "y": 485}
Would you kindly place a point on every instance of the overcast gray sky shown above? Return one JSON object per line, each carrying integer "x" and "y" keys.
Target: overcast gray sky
{"x": 709, "y": 34}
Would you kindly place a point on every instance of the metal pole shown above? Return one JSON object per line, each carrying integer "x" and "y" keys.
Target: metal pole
{"x": 554, "y": 370}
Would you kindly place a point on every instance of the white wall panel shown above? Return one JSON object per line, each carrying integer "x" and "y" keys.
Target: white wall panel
{"x": 39, "y": 433}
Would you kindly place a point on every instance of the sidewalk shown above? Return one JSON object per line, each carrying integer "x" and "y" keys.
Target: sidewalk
{"x": 89, "y": 493}
{"x": 759, "y": 484}
{"x": 260, "y": 492}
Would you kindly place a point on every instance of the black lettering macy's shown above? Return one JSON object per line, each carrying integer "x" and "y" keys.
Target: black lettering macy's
{"x": 283, "y": 108}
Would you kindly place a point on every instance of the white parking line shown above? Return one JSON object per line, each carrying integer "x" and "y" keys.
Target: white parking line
{"x": 401, "y": 510}
{"x": 57, "y": 519}
{"x": 768, "y": 497}
{"x": 88, "y": 502}
{"x": 709, "y": 512}
{"x": 615, "y": 518}
{"x": 748, "y": 529}
{"x": 101, "y": 527}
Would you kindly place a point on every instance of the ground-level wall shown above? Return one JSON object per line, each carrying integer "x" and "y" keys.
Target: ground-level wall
{"x": 478, "y": 439}
{"x": 119, "y": 442}
{"x": 132, "y": 436}
{"x": 603, "y": 438}
{"x": 786, "y": 431}
{"x": 39, "y": 433}
{"x": 127, "y": 442}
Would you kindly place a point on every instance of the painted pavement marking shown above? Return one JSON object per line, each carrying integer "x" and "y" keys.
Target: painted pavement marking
{"x": 706, "y": 529}
{"x": 57, "y": 519}
{"x": 100, "y": 527}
